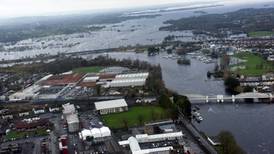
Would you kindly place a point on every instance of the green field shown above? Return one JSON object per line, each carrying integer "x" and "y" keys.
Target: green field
{"x": 132, "y": 116}
{"x": 22, "y": 134}
{"x": 261, "y": 33}
{"x": 92, "y": 69}
{"x": 254, "y": 65}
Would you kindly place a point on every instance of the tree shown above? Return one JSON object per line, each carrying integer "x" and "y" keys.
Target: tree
{"x": 174, "y": 112}
{"x": 229, "y": 144}
{"x": 152, "y": 51}
{"x": 183, "y": 105}
{"x": 165, "y": 101}
{"x": 231, "y": 84}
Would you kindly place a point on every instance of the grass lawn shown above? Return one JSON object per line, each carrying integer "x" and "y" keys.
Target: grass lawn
{"x": 92, "y": 69}
{"x": 261, "y": 33}
{"x": 21, "y": 134}
{"x": 254, "y": 65}
{"x": 132, "y": 116}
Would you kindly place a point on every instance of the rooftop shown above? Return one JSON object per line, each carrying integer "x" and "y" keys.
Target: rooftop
{"x": 72, "y": 118}
{"x": 110, "y": 104}
{"x": 63, "y": 79}
{"x": 69, "y": 108}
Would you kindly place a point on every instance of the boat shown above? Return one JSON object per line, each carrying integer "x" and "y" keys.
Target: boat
{"x": 200, "y": 118}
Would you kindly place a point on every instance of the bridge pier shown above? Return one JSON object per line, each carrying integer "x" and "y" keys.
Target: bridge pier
{"x": 233, "y": 98}
{"x": 220, "y": 98}
{"x": 206, "y": 99}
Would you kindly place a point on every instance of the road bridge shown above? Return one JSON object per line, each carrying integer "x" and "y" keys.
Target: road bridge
{"x": 256, "y": 96}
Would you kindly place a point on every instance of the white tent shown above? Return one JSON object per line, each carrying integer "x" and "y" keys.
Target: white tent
{"x": 105, "y": 131}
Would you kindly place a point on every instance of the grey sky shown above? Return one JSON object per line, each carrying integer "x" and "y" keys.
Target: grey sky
{"x": 15, "y": 8}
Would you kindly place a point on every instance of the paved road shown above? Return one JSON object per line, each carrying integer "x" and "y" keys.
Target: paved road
{"x": 203, "y": 142}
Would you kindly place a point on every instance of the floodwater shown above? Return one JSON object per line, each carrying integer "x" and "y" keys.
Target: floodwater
{"x": 183, "y": 79}
{"x": 143, "y": 31}
{"x": 251, "y": 124}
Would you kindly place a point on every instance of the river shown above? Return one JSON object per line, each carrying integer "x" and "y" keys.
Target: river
{"x": 251, "y": 124}
{"x": 144, "y": 31}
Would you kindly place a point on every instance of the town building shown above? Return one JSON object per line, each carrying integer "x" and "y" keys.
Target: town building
{"x": 71, "y": 117}
{"x": 134, "y": 142}
{"x": 73, "y": 123}
{"x": 111, "y": 106}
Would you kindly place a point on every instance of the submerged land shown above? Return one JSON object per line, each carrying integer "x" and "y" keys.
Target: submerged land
{"x": 158, "y": 94}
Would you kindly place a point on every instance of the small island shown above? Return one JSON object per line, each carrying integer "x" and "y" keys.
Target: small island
{"x": 183, "y": 61}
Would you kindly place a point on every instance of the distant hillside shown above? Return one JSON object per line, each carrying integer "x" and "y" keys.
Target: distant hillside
{"x": 245, "y": 20}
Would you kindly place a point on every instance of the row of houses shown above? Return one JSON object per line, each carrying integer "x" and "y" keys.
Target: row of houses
{"x": 7, "y": 114}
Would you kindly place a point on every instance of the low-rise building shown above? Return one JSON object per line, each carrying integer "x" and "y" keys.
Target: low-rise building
{"x": 135, "y": 148}
{"x": 22, "y": 114}
{"x": 73, "y": 123}
{"x": 71, "y": 117}
{"x": 111, "y": 106}
{"x": 38, "y": 110}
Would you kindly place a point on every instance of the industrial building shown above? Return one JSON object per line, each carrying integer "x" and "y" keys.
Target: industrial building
{"x": 143, "y": 138}
{"x": 135, "y": 148}
{"x": 132, "y": 76}
{"x": 62, "y": 79}
{"x": 129, "y": 80}
{"x": 111, "y": 106}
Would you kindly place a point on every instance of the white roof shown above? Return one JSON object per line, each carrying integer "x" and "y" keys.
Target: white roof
{"x": 132, "y": 75}
{"x": 110, "y": 104}
{"x": 154, "y": 150}
{"x": 147, "y": 138}
{"x": 105, "y": 131}
{"x": 135, "y": 147}
{"x": 128, "y": 82}
{"x": 85, "y": 133}
{"x": 133, "y": 144}
{"x": 69, "y": 108}
{"x": 72, "y": 118}
{"x": 95, "y": 132}
{"x": 45, "y": 77}
{"x": 91, "y": 78}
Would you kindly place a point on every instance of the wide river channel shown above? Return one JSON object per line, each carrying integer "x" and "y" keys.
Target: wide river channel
{"x": 251, "y": 124}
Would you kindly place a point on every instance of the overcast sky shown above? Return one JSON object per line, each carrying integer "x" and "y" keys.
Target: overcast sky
{"x": 16, "y": 8}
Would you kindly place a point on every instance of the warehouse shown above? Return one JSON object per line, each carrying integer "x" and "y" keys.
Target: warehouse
{"x": 144, "y": 138}
{"x": 132, "y": 76}
{"x": 129, "y": 80}
{"x": 62, "y": 79}
{"x": 136, "y": 149}
{"x": 111, "y": 106}
{"x": 134, "y": 142}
